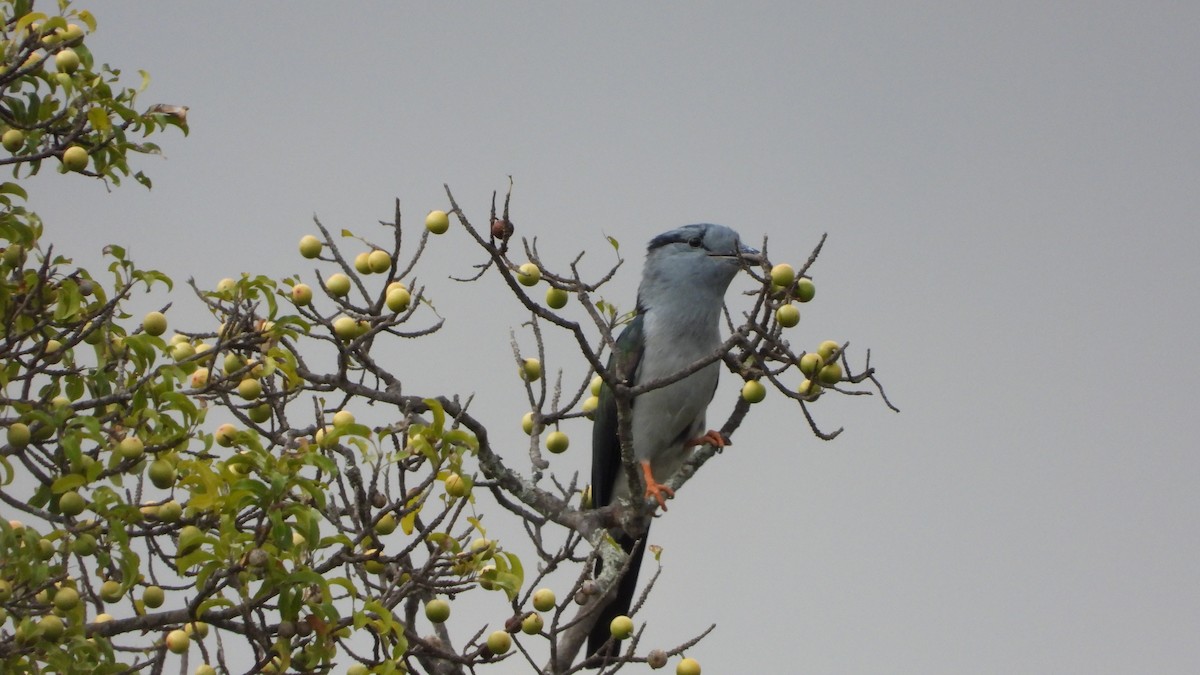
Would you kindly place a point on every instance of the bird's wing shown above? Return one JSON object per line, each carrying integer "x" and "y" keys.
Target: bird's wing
{"x": 606, "y": 446}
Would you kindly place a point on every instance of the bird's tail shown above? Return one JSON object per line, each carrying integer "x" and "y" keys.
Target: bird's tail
{"x": 598, "y": 652}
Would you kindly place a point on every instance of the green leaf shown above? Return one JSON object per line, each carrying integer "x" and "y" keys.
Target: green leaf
{"x": 9, "y": 188}
{"x": 67, "y": 482}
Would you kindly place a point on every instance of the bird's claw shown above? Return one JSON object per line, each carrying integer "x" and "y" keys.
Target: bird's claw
{"x": 656, "y": 489}
{"x": 713, "y": 438}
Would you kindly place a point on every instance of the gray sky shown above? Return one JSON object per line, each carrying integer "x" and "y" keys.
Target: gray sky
{"x": 1010, "y": 192}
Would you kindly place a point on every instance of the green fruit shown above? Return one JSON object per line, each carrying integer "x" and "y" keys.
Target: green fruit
{"x": 345, "y": 328}
{"x": 71, "y": 503}
{"x": 787, "y": 316}
{"x": 456, "y": 486}
{"x": 51, "y": 627}
{"x": 182, "y": 351}
{"x": 437, "y": 222}
{"x": 343, "y": 419}
{"x": 688, "y": 667}
{"x": 437, "y": 610}
{"x": 386, "y": 525}
{"x": 170, "y": 512}
{"x": 131, "y": 447}
{"x": 532, "y": 624}
{"x": 754, "y": 391}
{"x": 543, "y": 600}
{"x": 226, "y": 286}
{"x": 178, "y": 641}
{"x": 310, "y": 246}
{"x": 397, "y": 300}
{"x": 596, "y": 384}
{"x": 783, "y": 275}
{"x": 809, "y": 363}
{"x": 499, "y": 642}
{"x": 621, "y": 627}
{"x": 531, "y": 370}
{"x": 84, "y": 545}
{"x": 528, "y": 274}
{"x": 362, "y": 263}
{"x": 589, "y": 406}
{"x": 338, "y": 284}
{"x": 5, "y": 590}
{"x": 557, "y": 442}
{"x": 302, "y": 295}
{"x": 827, "y": 349}
{"x": 830, "y": 374}
{"x": 199, "y": 377}
{"x": 250, "y": 389}
{"x": 18, "y": 434}
{"x": 379, "y": 261}
{"x": 224, "y": 435}
{"x": 66, "y": 599}
{"x": 153, "y": 597}
{"x": 527, "y": 423}
{"x": 556, "y": 298}
{"x": 13, "y": 140}
{"x": 205, "y": 669}
{"x": 809, "y": 389}
{"x": 110, "y": 591}
{"x": 805, "y": 290}
{"x": 260, "y": 413}
{"x": 155, "y": 323}
{"x": 66, "y": 61}
{"x": 75, "y": 158}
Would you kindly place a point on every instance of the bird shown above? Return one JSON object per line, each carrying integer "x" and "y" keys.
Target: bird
{"x": 676, "y": 323}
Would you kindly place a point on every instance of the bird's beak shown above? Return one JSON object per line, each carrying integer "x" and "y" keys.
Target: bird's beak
{"x": 750, "y": 255}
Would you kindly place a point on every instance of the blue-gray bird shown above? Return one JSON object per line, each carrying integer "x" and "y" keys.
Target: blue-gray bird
{"x": 677, "y": 323}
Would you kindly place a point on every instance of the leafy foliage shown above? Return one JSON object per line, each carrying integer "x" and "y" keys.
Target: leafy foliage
{"x": 212, "y": 493}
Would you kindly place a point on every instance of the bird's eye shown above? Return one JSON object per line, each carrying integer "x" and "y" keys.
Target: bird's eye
{"x": 695, "y": 242}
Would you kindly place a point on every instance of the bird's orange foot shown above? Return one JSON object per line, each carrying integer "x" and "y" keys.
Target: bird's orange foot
{"x": 713, "y": 438}
{"x": 656, "y": 489}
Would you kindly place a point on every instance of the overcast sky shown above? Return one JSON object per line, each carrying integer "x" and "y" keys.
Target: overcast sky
{"x": 1011, "y": 195}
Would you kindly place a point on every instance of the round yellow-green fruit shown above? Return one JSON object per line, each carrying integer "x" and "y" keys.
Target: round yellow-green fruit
{"x": 178, "y": 641}
{"x": 499, "y": 642}
{"x": 362, "y": 263}
{"x": 754, "y": 391}
{"x": 161, "y": 473}
{"x": 556, "y": 298}
{"x": 809, "y": 363}
{"x": 456, "y": 486}
{"x": 787, "y": 316}
{"x": 437, "y": 610}
{"x": 827, "y": 349}
{"x": 809, "y": 389}
{"x": 67, "y": 61}
{"x": 531, "y": 370}
{"x": 155, "y": 323}
{"x": 250, "y": 389}
{"x": 532, "y": 624}
{"x": 345, "y": 328}
{"x": 131, "y": 447}
{"x": 75, "y": 158}
{"x": 544, "y": 600}
{"x": 302, "y": 294}
{"x": 783, "y": 274}
{"x": 379, "y": 261}
{"x": 386, "y": 524}
{"x": 13, "y": 140}
{"x": 830, "y": 374}
{"x": 18, "y": 434}
{"x": 398, "y": 299}
{"x": 528, "y": 274}
{"x": 153, "y": 597}
{"x": 688, "y": 667}
{"x": 338, "y": 284}
{"x": 621, "y": 627}
{"x": 66, "y": 599}
{"x": 71, "y": 503}
{"x": 310, "y": 246}
{"x": 805, "y": 290}
{"x": 557, "y": 442}
{"x": 437, "y": 222}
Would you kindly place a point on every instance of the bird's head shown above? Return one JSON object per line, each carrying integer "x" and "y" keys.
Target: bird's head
{"x": 694, "y": 259}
